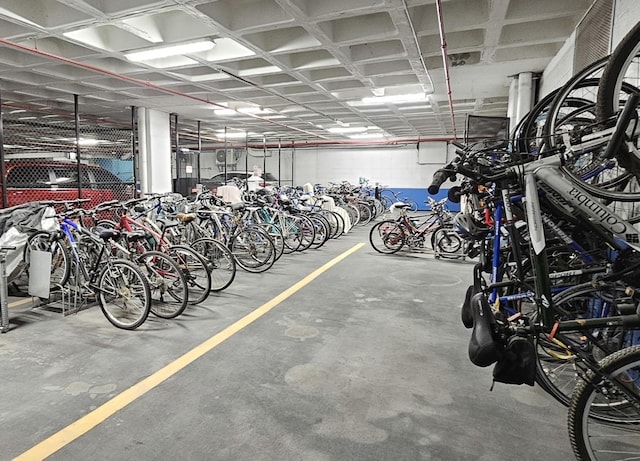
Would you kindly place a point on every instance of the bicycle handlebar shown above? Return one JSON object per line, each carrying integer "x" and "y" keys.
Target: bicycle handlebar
{"x": 439, "y": 177}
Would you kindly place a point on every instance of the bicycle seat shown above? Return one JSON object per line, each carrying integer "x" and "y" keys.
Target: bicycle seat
{"x": 186, "y": 217}
{"x": 166, "y": 224}
{"x": 134, "y": 236}
{"x": 483, "y": 348}
{"x": 108, "y": 234}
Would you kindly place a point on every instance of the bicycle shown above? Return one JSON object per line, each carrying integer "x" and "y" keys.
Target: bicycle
{"x": 121, "y": 289}
{"x": 389, "y": 196}
{"x": 609, "y": 395}
{"x": 391, "y": 235}
{"x": 142, "y": 236}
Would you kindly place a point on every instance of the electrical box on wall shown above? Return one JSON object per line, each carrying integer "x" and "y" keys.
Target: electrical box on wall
{"x": 432, "y": 153}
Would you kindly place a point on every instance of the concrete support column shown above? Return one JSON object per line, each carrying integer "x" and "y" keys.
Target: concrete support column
{"x": 525, "y": 94}
{"x": 155, "y": 151}
{"x": 512, "y": 104}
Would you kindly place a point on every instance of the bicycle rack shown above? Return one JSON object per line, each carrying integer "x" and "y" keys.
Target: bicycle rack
{"x": 4, "y": 295}
{"x": 72, "y": 298}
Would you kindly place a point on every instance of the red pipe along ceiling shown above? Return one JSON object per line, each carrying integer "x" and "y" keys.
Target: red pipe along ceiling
{"x": 325, "y": 140}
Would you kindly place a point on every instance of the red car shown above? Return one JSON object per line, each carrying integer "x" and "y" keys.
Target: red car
{"x": 29, "y": 181}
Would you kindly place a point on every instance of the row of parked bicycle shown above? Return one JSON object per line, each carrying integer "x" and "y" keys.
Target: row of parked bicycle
{"x": 552, "y": 214}
{"x": 160, "y": 253}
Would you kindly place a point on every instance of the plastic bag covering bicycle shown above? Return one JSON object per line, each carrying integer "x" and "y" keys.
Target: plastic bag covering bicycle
{"x": 604, "y": 413}
{"x": 122, "y": 291}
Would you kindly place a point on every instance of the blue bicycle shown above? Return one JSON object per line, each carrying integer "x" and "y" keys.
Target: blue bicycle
{"x": 82, "y": 259}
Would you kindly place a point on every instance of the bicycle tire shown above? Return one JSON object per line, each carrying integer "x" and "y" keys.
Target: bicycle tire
{"x": 196, "y": 271}
{"x": 276, "y": 235}
{"x": 386, "y": 237}
{"x": 220, "y": 262}
{"x": 123, "y": 294}
{"x": 610, "y": 88}
{"x": 447, "y": 241}
{"x": 307, "y": 232}
{"x": 598, "y": 439}
{"x": 365, "y": 214}
{"x": 340, "y": 223}
{"x": 253, "y": 250}
{"x": 292, "y": 234}
{"x": 167, "y": 284}
{"x": 353, "y": 212}
{"x": 613, "y": 88}
{"x": 321, "y": 231}
{"x": 557, "y": 367}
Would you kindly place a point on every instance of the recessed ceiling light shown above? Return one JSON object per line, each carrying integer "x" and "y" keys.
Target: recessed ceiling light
{"x": 171, "y": 50}
{"x": 395, "y": 98}
{"x": 347, "y": 129}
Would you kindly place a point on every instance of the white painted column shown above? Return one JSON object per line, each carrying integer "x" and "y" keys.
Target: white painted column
{"x": 155, "y": 151}
{"x": 525, "y": 94}
{"x": 512, "y": 103}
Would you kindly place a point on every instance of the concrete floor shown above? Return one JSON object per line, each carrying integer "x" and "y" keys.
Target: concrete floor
{"x": 366, "y": 362}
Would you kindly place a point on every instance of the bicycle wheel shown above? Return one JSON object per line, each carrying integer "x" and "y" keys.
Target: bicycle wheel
{"x": 622, "y": 71}
{"x": 353, "y": 212}
{"x": 60, "y": 265}
{"x": 386, "y": 237}
{"x": 339, "y": 221}
{"x": 194, "y": 267}
{"x": 307, "y": 232}
{"x": 365, "y": 213}
{"x": 123, "y": 294}
{"x": 558, "y": 368}
{"x": 446, "y": 242}
{"x": 292, "y": 234}
{"x": 168, "y": 285}
{"x": 253, "y": 250}
{"x": 220, "y": 262}
{"x": 276, "y": 235}
{"x": 616, "y": 396}
{"x": 321, "y": 228}
{"x": 623, "y": 67}
{"x": 331, "y": 218}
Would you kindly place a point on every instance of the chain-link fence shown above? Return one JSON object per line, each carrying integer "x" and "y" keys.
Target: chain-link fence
{"x": 48, "y": 156}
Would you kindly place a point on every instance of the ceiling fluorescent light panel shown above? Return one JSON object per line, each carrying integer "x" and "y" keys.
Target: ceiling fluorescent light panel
{"x": 168, "y": 51}
{"x": 395, "y": 99}
{"x": 349, "y": 129}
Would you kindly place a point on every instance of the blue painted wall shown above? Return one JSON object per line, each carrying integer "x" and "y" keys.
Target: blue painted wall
{"x": 421, "y": 196}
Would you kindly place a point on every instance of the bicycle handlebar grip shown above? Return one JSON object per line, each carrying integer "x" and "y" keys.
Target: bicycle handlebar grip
{"x": 439, "y": 177}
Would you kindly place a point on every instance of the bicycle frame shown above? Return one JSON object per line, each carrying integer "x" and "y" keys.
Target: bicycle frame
{"x": 545, "y": 174}
{"x": 67, "y": 226}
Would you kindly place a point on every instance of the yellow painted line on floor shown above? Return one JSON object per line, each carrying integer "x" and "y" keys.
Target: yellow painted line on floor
{"x": 67, "y": 435}
{"x": 20, "y": 302}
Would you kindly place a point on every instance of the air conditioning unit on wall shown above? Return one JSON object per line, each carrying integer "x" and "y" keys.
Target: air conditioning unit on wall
{"x": 229, "y": 157}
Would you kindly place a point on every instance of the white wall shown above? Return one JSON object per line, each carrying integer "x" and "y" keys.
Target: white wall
{"x": 626, "y": 15}
{"x": 559, "y": 70}
{"x": 400, "y": 166}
